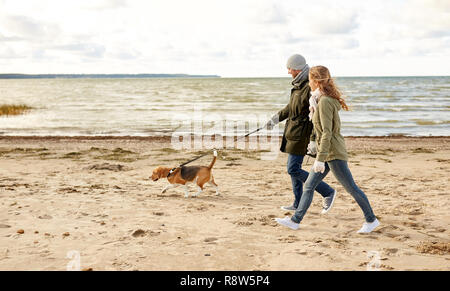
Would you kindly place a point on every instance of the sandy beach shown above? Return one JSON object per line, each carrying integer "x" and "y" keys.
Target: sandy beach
{"x": 62, "y": 196}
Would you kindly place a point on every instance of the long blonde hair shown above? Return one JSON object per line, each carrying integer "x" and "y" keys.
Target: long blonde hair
{"x": 327, "y": 86}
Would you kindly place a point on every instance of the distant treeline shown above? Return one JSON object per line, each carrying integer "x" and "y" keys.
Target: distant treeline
{"x": 101, "y": 76}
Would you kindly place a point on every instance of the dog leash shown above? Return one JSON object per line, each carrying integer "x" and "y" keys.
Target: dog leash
{"x": 201, "y": 156}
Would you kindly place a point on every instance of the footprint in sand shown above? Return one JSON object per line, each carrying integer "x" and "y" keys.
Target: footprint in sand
{"x": 108, "y": 167}
{"x": 142, "y": 233}
{"x": 390, "y": 251}
{"x": 267, "y": 220}
{"x": 380, "y": 267}
{"x": 166, "y": 196}
{"x": 340, "y": 243}
{"x": 264, "y": 220}
{"x": 243, "y": 222}
{"x": 210, "y": 240}
{"x": 414, "y": 225}
{"x": 434, "y": 247}
{"x": 416, "y": 211}
{"x": 438, "y": 230}
{"x": 69, "y": 190}
{"x": 386, "y": 228}
{"x": 199, "y": 207}
{"x": 289, "y": 239}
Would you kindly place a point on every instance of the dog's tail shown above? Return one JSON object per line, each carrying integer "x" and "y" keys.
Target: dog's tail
{"x": 213, "y": 161}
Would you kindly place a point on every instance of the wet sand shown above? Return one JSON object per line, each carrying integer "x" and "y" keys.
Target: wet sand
{"x": 92, "y": 195}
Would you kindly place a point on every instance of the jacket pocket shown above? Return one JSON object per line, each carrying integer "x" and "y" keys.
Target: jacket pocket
{"x": 297, "y": 129}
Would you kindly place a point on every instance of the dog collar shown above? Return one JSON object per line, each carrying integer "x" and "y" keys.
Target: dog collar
{"x": 170, "y": 172}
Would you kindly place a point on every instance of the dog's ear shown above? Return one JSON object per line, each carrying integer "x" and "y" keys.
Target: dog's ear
{"x": 156, "y": 172}
{"x": 159, "y": 171}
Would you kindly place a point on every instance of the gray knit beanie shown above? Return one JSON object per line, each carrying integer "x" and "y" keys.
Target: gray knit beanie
{"x": 296, "y": 62}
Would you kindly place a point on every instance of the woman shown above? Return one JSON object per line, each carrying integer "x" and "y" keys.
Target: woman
{"x": 326, "y": 102}
{"x": 297, "y": 133}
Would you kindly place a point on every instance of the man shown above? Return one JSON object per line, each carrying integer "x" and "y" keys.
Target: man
{"x": 297, "y": 132}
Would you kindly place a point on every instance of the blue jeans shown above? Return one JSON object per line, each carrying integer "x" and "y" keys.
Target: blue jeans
{"x": 344, "y": 176}
{"x": 299, "y": 176}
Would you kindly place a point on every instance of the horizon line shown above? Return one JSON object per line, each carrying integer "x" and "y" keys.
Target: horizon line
{"x": 180, "y": 75}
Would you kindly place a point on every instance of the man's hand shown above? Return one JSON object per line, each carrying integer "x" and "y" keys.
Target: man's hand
{"x": 269, "y": 125}
{"x": 272, "y": 122}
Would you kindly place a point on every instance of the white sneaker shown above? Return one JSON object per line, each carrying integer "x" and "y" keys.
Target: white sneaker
{"x": 288, "y": 222}
{"x": 369, "y": 227}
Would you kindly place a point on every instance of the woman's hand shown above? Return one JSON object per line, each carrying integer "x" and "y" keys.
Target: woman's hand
{"x": 312, "y": 148}
{"x": 319, "y": 167}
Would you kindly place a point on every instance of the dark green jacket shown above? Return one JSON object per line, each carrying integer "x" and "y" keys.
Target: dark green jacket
{"x": 298, "y": 128}
{"x": 327, "y": 129}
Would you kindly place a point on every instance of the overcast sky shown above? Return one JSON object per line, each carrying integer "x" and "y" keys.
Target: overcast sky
{"x": 231, "y": 38}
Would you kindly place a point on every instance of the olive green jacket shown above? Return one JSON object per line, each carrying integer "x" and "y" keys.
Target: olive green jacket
{"x": 298, "y": 128}
{"x": 327, "y": 131}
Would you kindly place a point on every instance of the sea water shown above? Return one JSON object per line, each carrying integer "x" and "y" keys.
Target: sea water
{"x": 380, "y": 106}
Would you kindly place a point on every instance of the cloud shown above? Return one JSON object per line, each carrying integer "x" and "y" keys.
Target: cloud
{"x": 274, "y": 14}
{"x": 218, "y": 54}
{"x": 39, "y": 54}
{"x": 9, "y": 54}
{"x": 123, "y": 53}
{"x": 90, "y": 50}
{"x": 10, "y": 38}
{"x": 419, "y": 19}
{"x": 229, "y": 38}
{"x": 334, "y": 22}
{"x": 439, "y": 33}
{"x": 23, "y": 27}
{"x": 290, "y": 38}
{"x": 105, "y": 4}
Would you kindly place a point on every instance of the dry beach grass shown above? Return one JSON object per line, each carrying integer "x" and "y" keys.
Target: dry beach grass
{"x": 7, "y": 110}
{"x": 93, "y": 195}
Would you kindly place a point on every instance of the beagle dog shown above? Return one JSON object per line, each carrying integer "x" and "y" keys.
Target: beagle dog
{"x": 199, "y": 175}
